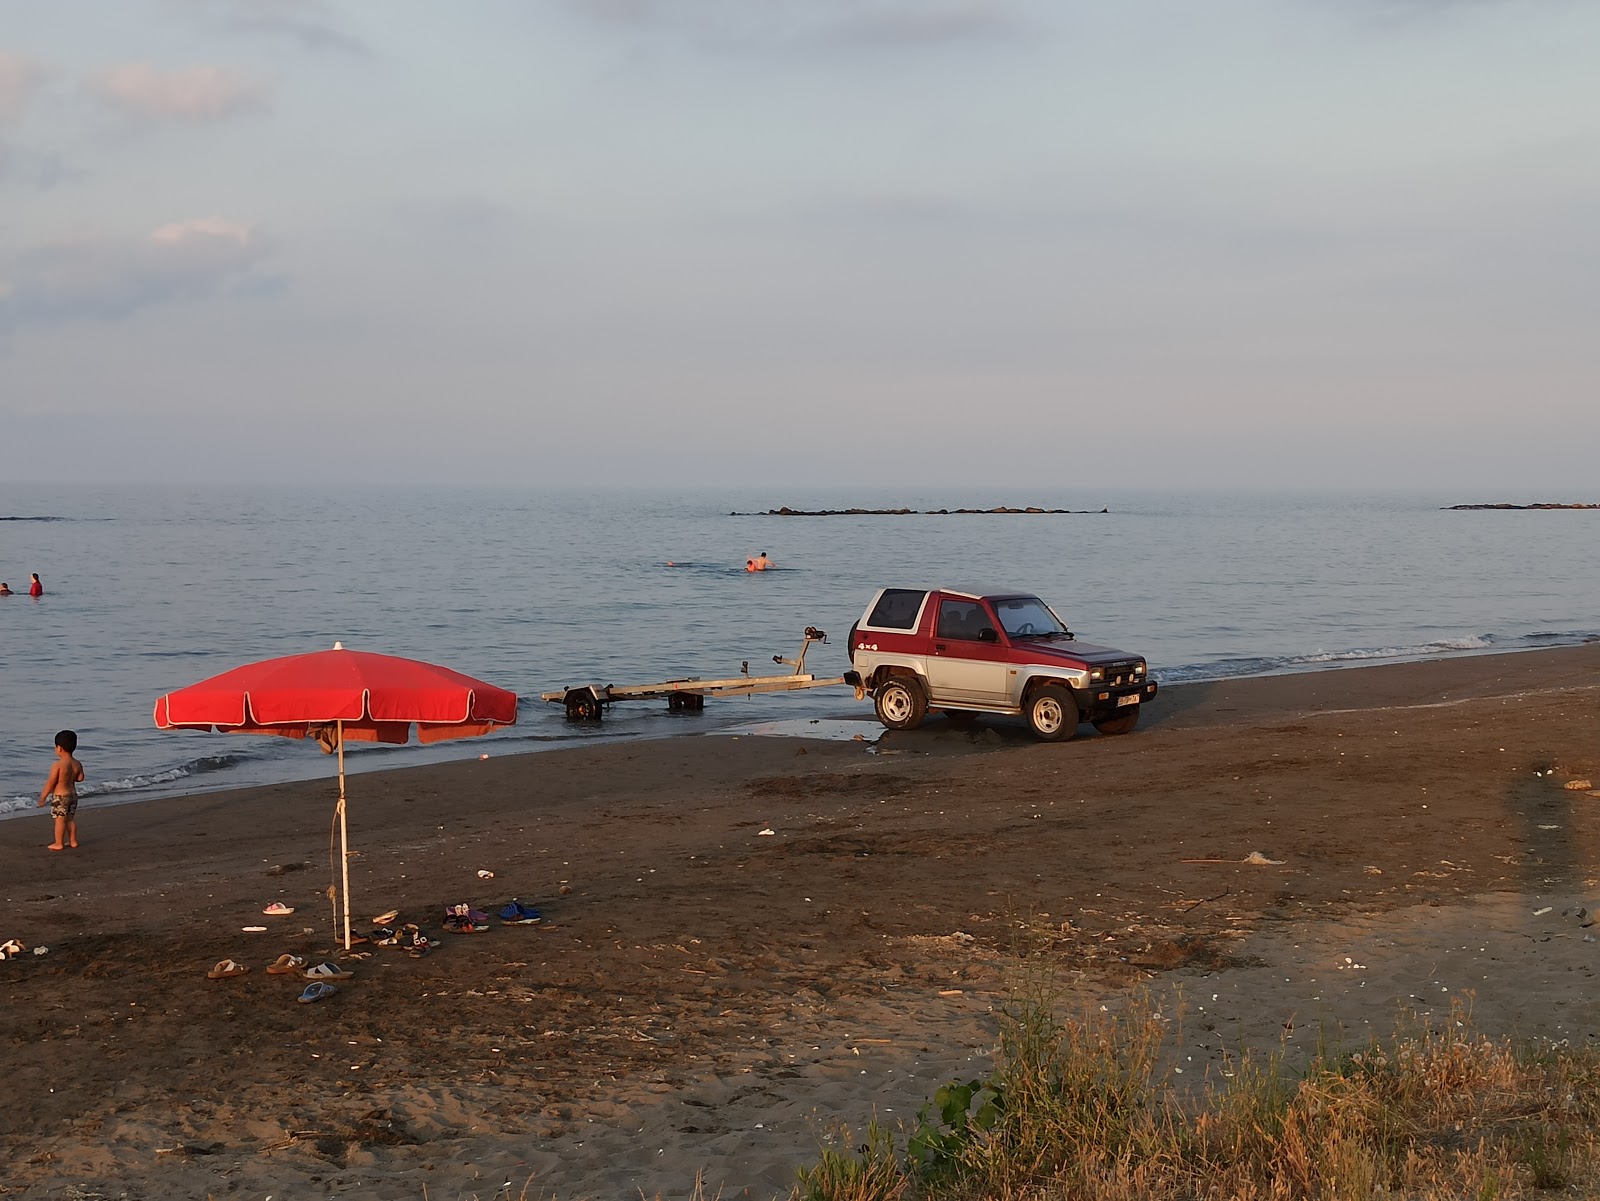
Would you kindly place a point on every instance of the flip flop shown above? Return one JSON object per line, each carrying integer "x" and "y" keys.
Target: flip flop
{"x": 226, "y": 968}
{"x": 327, "y": 971}
{"x": 419, "y": 945}
{"x": 286, "y": 965}
{"x": 386, "y": 919}
{"x": 277, "y": 909}
{"x": 384, "y": 937}
{"x": 11, "y": 947}
{"x": 317, "y": 992}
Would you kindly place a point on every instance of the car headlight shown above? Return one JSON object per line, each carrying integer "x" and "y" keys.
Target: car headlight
{"x": 1138, "y": 669}
{"x": 1097, "y": 674}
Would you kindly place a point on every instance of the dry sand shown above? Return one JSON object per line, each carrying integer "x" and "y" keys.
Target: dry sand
{"x": 709, "y": 999}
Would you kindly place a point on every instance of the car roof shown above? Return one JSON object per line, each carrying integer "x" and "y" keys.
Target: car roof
{"x": 970, "y": 593}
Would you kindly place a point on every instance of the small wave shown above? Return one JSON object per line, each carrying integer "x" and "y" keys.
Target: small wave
{"x": 194, "y": 767}
{"x": 4, "y": 517}
{"x": 1240, "y": 666}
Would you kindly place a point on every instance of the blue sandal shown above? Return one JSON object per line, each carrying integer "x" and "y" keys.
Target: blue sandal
{"x": 317, "y": 992}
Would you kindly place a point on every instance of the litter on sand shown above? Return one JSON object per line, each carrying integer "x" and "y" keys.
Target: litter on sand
{"x": 1260, "y": 860}
{"x": 254, "y": 929}
{"x": 485, "y": 874}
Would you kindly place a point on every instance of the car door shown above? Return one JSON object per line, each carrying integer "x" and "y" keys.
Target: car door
{"x": 964, "y": 665}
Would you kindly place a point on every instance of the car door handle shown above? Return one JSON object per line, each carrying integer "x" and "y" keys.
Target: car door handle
{"x": 939, "y": 646}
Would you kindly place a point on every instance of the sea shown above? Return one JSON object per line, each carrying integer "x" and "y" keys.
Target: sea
{"x": 150, "y": 588}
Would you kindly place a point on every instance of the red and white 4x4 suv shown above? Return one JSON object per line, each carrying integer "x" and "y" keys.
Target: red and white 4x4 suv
{"x": 918, "y": 649}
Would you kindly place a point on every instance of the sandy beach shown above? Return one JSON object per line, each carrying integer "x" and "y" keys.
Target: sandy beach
{"x": 748, "y": 942}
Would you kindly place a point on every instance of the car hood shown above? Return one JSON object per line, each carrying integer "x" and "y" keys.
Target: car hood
{"x": 1060, "y": 650}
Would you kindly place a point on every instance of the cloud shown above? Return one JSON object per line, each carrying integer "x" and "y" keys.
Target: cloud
{"x": 19, "y": 79}
{"x": 108, "y": 279}
{"x": 785, "y": 24}
{"x": 308, "y": 23}
{"x": 191, "y": 94}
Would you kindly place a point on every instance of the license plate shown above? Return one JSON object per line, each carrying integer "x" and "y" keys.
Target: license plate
{"x": 1131, "y": 699}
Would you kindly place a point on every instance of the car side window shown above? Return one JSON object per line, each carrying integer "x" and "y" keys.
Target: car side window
{"x": 896, "y": 609}
{"x": 961, "y": 620}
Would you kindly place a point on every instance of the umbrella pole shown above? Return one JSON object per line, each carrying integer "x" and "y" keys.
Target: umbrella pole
{"x": 344, "y": 852}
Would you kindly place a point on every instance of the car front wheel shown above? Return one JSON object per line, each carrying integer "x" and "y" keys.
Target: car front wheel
{"x": 901, "y": 703}
{"x": 1052, "y": 713}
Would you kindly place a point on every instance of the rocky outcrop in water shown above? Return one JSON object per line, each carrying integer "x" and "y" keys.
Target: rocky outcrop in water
{"x": 786, "y": 511}
{"x": 1454, "y": 508}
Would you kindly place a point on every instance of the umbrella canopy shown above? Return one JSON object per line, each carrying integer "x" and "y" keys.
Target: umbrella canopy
{"x": 336, "y": 695}
{"x": 376, "y": 698}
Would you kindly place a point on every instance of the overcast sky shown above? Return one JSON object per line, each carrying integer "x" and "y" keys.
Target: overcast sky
{"x": 885, "y": 242}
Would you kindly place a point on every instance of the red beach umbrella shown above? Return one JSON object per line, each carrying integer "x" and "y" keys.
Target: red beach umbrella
{"x": 332, "y": 696}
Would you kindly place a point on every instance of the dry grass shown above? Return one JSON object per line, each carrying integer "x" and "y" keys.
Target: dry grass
{"x": 1083, "y": 1110}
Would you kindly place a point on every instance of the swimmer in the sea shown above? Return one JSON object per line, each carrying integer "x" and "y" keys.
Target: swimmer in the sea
{"x": 762, "y": 562}
{"x": 35, "y": 588}
{"x": 5, "y": 589}
{"x": 749, "y": 564}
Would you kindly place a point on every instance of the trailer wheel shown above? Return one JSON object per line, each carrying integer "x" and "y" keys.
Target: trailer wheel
{"x": 901, "y": 703}
{"x": 1052, "y": 713}
{"x": 581, "y": 705}
{"x": 1123, "y": 723}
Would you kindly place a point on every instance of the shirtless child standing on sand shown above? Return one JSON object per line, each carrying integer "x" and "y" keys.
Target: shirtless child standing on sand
{"x": 61, "y": 790}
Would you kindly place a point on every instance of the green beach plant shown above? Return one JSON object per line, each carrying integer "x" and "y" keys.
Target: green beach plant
{"x": 1084, "y": 1110}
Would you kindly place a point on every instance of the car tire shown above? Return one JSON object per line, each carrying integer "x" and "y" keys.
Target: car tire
{"x": 1052, "y": 714}
{"x": 901, "y": 703}
{"x": 1122, "y": 723}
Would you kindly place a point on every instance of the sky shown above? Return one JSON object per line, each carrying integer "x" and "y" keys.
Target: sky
{"x": 851, "y": 243}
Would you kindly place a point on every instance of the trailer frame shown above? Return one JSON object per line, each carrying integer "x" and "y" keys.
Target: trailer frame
{"x": 587, "y": 702}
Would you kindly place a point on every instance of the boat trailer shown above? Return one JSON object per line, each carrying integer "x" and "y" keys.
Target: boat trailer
{"x": 586, "y": 702}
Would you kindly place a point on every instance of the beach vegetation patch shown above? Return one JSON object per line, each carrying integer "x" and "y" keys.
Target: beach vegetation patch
{"x": 1094, "y": 1107}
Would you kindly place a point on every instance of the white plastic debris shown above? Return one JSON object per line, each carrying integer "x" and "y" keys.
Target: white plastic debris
{"x": 765, "y": 833}
{"x": 485, "y": 874}
{"x": 1260, "y": 860}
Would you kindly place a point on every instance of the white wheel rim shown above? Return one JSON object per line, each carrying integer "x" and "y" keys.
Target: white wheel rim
{"x": 1047, "y": 715}
{"x": 897, "y": 703}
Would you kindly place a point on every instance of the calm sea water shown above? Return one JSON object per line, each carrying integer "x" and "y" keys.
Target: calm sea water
{"x": 149, "y": 589}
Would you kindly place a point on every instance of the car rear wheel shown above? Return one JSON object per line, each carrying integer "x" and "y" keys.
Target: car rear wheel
{"x": 1052, "y": 713}
{"x": 901, "y": 703}
{"x": 1122, "y": 723}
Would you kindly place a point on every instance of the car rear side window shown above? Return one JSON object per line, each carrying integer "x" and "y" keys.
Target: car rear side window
{"x": 897, "y": 609}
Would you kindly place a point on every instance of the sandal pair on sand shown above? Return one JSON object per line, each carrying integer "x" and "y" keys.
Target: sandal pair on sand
{"x": 463, "y": 919}
{"x": 284, "y": 966}
{"x": 319, "y": 989}
{"x": 409, "y": 936}
{"x": 11, "y": 948}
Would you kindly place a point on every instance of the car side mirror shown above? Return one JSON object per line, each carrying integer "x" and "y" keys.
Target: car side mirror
{"x": 987, "y": 634}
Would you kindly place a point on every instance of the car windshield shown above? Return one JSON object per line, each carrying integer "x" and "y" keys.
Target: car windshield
{"x": 1028, "y": 617}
